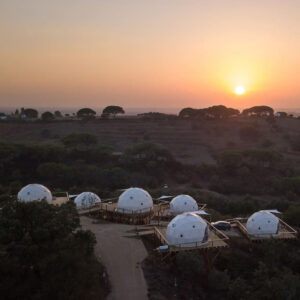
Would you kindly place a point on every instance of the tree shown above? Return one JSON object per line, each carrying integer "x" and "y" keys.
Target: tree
{"x": 258, "y": 111}
{"x": 148, "y": 156}
{"x": 31, "y": 113}
{"x": 213, "y": 112}
{"x": 112, "y": 110}
{"x": 44, "y": 251}
{"x": 281, "y": 114}
{"x": 221, "y": 112}
{"x": 249, "y": 133}
{"x": 79, "y": 139}
{"x": 292, "y": 215}
{"x": 295, "y": 143}
{"x": 57, "y": 114}
{"x": 47, "y": 116}
{"x": 86, "y": 113}
{"x": 188, "y": 112}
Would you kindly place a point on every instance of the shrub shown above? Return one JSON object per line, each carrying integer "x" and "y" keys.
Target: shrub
{"x": 249, "y": 134}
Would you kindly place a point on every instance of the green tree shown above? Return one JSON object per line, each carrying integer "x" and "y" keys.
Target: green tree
{"x": 292, "y": 215}
{"x": 86, "y": 113}
{"x": 112, "y": 110}
{"x": 79, "y": 139}
{"x": 57, "y": 114}
{"x": 249, "y": 133}
{"x": 31, "y": 113}
{"x": 47, "y": 116}
{"x": 259, "y": 111}
{"x": 188, "y": 112}
{"x": 44, "y": 252}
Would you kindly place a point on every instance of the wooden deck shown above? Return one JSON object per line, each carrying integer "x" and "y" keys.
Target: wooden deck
{"x": 60, "y": 198}
{"x": 216, "y": 239}
{"x": 161, "y": 211}
{"x": 285, "y": 231}
{"x": 108, "y": 211}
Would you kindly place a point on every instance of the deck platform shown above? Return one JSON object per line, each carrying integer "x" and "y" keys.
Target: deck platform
{"x": 60, "y": 198}
{"x": 108, "y": 211}
{"x": 285, "y": 231}
{"x": 216, "y": 240}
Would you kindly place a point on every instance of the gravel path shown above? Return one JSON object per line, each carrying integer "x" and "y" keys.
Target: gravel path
{"x": 122, "y": 257}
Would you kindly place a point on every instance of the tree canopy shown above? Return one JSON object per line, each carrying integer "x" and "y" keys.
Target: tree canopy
{"x": 213, "y": 112}
{"x": 30, "y": 113}
{"x": 112, "y": 110}
{"x": 57, "y": 114}
{"x": 44, "y": 252}
{"x": 258, "y": 111}
{"x": 86, "y": 113}
{"x": 47, "y": 116}
{"x": 79, "y": 139}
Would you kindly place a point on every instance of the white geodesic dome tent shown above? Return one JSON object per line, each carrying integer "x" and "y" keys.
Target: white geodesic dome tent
{"x": 263, "y": 223}
{"x": 181, "y": 204}
{"x": 134, "y": 200}
{"x": 187, "y": 229}
{"x": 86, "y": 200}
{"x": 34, "y": 192}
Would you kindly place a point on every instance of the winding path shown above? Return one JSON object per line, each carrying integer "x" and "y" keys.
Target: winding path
{"x": 122, "y": 257}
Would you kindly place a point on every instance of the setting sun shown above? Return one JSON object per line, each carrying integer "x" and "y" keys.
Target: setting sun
{"x": 239, "y": 90}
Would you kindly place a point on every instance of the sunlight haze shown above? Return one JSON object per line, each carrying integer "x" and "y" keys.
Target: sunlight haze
{"x": 167, "y": 53}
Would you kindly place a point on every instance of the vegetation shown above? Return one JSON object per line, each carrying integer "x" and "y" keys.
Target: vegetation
{"x": 156, "y": 116}
{"x": 254, "y": 166}
{"x": 112, "y": 110}
{"x": 47, "y": 116}
{"x": 258, "y": 111}
{"x": 79, "y": 139}
{"x": 213, "y": 112}
{"x": 30, "y": 113}
{"x": 45, "y": 255}
{"x": 268, "y": 270}
{"x": 86, "y": 113}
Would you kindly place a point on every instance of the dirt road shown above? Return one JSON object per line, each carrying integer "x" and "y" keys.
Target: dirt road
{"x": 122, "y": 256}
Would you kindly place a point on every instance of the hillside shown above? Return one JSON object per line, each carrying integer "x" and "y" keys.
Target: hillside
{"x": 191, "y": 142}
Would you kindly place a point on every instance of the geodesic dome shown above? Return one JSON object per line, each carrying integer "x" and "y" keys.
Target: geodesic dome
{"x": 86, "y": 200}
{"x": 34, "y": 192}
{"x": 187, "y": 229}
{"x": 134, "y": 200}
{"x": 263, "y": 223}
{"x": 181, "y": 204}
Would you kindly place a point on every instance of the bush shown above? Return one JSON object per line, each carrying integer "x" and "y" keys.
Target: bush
{"x": 296, "y": 143}
{"x": 79, "y": 139}
{"x": 249, "y": 134}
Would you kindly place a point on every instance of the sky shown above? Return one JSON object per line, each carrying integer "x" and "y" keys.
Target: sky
{"x": 149, "y": 53}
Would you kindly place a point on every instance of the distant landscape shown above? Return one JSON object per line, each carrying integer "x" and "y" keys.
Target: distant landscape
{"x": 237, "y": 162}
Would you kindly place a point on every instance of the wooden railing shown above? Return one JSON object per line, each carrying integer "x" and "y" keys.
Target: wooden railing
{"x": 241, "y": 221}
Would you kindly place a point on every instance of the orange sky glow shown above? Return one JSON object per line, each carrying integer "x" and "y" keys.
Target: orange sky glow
{"x": 158, "y": 53}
